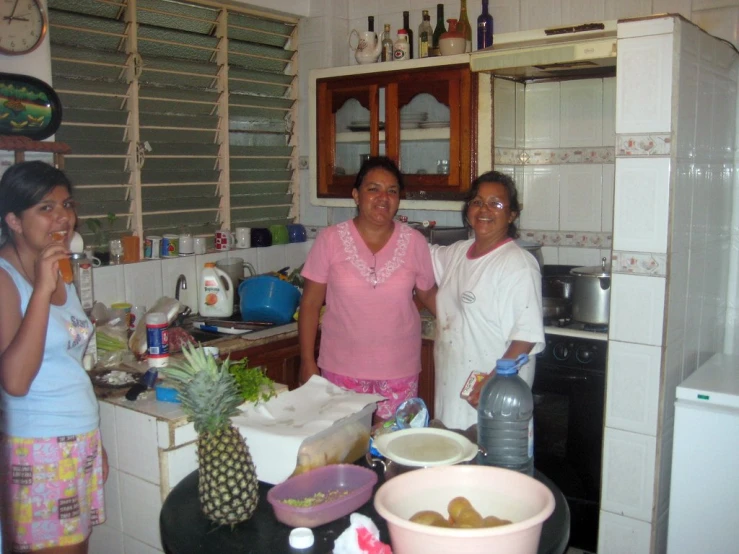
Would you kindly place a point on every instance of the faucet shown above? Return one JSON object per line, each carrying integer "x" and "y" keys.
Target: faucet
{"x": 252, "y": 271}
{"x": 180, "y": 285}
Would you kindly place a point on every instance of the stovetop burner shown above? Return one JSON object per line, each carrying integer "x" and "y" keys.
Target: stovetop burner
{"x": 569, "y": 323}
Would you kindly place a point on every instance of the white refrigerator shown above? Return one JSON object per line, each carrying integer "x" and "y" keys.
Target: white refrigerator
{"x": 704, "y": 491}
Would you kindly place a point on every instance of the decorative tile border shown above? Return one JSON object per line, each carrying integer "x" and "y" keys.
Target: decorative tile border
{"x": 643, "y": 145}
{"x": 639, "y": 263}
{"x": 554, "y": 156}
{"x": 569, "y": 238}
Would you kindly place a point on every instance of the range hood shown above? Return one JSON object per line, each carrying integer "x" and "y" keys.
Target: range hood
{"x": 561, "y": 52}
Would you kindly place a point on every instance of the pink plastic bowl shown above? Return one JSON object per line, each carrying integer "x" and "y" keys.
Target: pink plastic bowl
{"x": 357, "y": 482}
{"x": 492, "y": 491}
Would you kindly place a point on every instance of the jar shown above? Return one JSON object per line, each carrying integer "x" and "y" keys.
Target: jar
{"x": 401, "y": 47}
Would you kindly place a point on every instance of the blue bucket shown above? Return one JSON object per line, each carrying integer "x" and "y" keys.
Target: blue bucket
{"x": 268, "y": 299}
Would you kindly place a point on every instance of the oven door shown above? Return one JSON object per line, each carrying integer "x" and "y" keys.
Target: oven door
{"x": 568, "y": 441}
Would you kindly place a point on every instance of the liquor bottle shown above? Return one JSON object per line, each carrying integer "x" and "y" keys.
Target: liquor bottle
{"x": 463, "y": 26}
{"x": 484, "y": 27}
{"x": 387, "y": 44}
{"x": 401, "y": 47}
{"x": 425, "y": 35}
{"x": 409, "y": 33}
{"x": 371, "y": 24}
{"x": 440, "y": 29}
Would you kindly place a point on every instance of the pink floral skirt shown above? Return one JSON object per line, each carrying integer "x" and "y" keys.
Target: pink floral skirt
{"x": 396, "y": 391}
{"x": 53, "y": 490}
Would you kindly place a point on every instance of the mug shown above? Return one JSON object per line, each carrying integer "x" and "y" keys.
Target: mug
{"x": 243, "y": 237}
{"x": 170, "y": 246}
{"x": 260, "y": 237}
{"x": 152, "y": 246}
{"x": 297, "y": 233}
{"x": 199, "y": 245}
{"x": 224, "y": 240}
{"x": 279, "y": 234}
{"x": 90, "y": 256}
{"x": 234, "y": 267}
{"x": 186, "y": 245}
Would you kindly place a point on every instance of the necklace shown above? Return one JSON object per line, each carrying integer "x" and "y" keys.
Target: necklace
{"x": 20, "y": 262}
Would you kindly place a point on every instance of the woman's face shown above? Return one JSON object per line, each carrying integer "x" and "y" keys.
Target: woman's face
{"x": 378, "y": 197}
{"x": 54, "y": 214}
{"x": 489, "y": 213}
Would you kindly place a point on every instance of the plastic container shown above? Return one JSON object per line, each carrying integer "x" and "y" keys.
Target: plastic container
{"x": 505, "y": 419}
{"x": 506, "y": 494}
{"x": 268, "y": 299}
{"x": 348, "y": 487}
{"x": 216, "y": 293}
{"x": 157, "y": 339}
{"x": 401, "y": 46}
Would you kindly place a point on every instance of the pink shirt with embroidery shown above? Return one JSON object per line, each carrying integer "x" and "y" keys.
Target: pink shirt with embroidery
{"x": 371, "y": 328}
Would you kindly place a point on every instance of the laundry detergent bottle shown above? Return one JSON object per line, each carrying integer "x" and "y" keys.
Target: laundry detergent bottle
{"x": 216, "y": 294}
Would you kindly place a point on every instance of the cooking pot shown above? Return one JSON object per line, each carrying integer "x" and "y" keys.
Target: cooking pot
{"x": 557, "y": 286}
{"x": 591, "y": 294}
{"x": 554, "y": 308}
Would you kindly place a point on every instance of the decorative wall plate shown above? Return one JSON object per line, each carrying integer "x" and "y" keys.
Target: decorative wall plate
{"x": 28, "y": 107}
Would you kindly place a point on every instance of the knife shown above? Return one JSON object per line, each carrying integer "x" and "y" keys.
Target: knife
{"x": 203, "y": 326}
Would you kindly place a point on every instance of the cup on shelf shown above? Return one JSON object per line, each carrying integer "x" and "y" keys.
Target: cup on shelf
{"x": 152, "y": 246}
{"x": 297, "y": 233}
{"x": 279, "y": 234}
{"x": 224, "y": 240}
{"x": 186, "y": 245}
{"x": 170, "y": 246}
{"x": 260, "y": 237}
{"x": 199, "y": 245}
{"x": 243, "y": 237}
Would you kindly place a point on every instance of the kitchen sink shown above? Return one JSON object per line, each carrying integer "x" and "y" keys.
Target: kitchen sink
{"x": 259, "y": 331}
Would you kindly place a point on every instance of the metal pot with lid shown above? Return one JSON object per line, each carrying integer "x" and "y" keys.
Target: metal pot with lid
{"x": 591, "y": 294}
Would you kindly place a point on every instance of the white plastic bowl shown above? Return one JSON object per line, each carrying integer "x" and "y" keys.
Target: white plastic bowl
{"x": 492, "y": 491}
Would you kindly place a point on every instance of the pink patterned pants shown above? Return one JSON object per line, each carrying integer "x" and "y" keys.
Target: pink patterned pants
{"x": 396, "y": 391}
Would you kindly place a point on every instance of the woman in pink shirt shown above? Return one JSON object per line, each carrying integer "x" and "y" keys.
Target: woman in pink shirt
{"x": 366, "y": 270}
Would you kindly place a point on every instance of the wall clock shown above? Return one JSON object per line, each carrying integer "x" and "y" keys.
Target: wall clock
{"x": 23, "y": 26}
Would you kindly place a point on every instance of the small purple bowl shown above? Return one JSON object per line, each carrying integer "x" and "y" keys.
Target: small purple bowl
{"x": 351, "y": 485}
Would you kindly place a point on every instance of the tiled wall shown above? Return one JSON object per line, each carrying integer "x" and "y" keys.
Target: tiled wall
{"x": 144, "y": 282}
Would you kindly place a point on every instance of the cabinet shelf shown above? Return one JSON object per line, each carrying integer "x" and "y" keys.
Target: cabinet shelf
{"x": 440, "y": 133}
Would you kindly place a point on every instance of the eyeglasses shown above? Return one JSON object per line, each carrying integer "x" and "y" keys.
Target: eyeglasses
{"x": 373, "y": 273}
{"x": 491, "y": 204}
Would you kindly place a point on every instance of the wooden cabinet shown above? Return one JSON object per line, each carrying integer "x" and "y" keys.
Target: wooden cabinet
{"x": 424, "y": 118}
{"x": 426, "y": 386}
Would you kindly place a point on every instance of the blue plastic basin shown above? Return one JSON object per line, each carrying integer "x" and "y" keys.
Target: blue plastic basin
{"x": 269, "y": 299}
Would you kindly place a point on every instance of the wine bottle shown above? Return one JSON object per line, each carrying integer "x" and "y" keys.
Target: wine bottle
{"x": 371, "y": 24}
{"x": 409, "y": 33}
{"x": 425, "y": 35}
{"x": 387, "y": 44}
{"x": 439, "y": 30}
{"x": 484, "y": 27}
{"x": 463, "y": 26}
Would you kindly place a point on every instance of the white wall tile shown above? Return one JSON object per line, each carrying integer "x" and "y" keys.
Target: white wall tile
{"x": 621, "y": 9}
{"x": 505, "y": 113}
{"x": 628, "y": 474}
{"x": 677, "y": 296}
{"x": 580, "y": 188}
{"x": 683, "y": 7}
{"x": 579, "y": 256}
{"x": 137, "y": 444}
{"x": 582, "y": 11}
{"x": 581, "y": 113}
{"x": 722, "y": 23}
{"x": 540, "y": 198}
{"x": 506, "y": 16}
{"x": 550, "y": 254}
{"x": 271, "y": 258}
{"x": 174, "y": 267}
{"x": 641, "y": 204}
{"x": 133, "y": 546}
{"x": 141, "y": 504}
{"x": 606, "y": 210}
{"x": 176, "y": 465}
{"x": 144, "y": 282}
{"x": 637, "y": 294}
{"x": 184, "y": 434}
{"x": 665, "y": 469}
{"x": 107, "y": 431}
{"x": 542, "y": 115}
{"x": 106, "y": 540}
{"x": 609, "y": 111}
{"x": 113, "y": 515}
{"x": 618, "y": 534}
{"x": 644, "y": 84}
{"x": 295, "y": 254}
{"x": 632, "y": 403}
{"x": 108, "y": 284}
{"x": 706, "y": 4}
{"x": 538, "y": 15}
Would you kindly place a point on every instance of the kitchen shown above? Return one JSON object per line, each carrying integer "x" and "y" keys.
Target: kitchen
{"x": 664, "y": 340}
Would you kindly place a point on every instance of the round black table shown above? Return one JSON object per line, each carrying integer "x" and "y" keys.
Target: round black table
{"x": 185, "y": 530}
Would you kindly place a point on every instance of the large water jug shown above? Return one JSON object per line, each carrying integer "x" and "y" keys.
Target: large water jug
{"x": 505, "y": 419}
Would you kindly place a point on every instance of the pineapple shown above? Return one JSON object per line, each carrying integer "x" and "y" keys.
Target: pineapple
{"x": 227, "y": 486}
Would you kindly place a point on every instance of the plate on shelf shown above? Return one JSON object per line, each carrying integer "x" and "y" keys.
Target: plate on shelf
{"x": 433, "y": 124}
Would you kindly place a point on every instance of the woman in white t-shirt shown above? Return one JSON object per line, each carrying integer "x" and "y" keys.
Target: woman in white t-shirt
{"x": 489, "y": 300}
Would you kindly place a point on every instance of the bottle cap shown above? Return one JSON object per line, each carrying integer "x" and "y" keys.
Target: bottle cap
{"x": 301, "y": 537}
{"x": 402, "y": 32}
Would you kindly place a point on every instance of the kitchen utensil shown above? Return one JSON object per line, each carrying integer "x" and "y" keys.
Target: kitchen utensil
{"x": 234, "y": 267}
{"x": 557, "y": 286}
{"x": 328, "y": 492}
{"x": 492, "y": 491}
{"x": 243, "y": 237}
{"x": 554, "y": 308}
{"x": 199, "y": 245}
{"x": 267, "y": 298}
{"x": 591, "y": 294}
{"x": 170, "y": 246}
{"x": 425, "y": 447}
{"x": 186, "y": 245}
{"x": 279, "y": 234}
{"x": 260, "y": 237}
{"x": 297, "y": 233}
{"x": 226, "y": 330}
{"x": 224, "y": 240}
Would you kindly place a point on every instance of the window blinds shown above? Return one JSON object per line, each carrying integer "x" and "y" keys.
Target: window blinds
{"x": 179, "y": 115}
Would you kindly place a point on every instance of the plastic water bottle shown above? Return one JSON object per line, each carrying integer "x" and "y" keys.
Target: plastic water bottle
{"x": 505, "y": 419}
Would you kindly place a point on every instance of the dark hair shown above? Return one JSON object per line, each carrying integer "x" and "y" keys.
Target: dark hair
{"x": 379, "y": 162}
{"x": 510, "y": 186}
{"x": 24, "y": 185}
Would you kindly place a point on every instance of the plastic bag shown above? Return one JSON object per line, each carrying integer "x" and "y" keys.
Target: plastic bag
{"x": 411, "y": 414}
{"x": 112, "y": 342}
{"x": 361, "y": 537}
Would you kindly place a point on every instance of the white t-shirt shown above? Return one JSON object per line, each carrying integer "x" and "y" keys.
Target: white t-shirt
{"x": 482, "y": 306}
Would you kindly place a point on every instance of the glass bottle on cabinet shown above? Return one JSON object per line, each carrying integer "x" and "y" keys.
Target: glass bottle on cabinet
{"x": 415, "y": 117}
